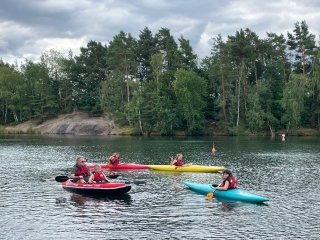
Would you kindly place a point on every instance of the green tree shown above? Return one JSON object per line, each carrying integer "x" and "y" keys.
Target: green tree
{"x": 114, "y": 94}
{"x": 11, "y": 87}
{"x": 190, "y": 91}
{"x": 278, "y": 52}
{"x": 55, "y": 63}
{"x": 68, "y": 84}
{"x": 256, "y": 112}
{"x": 303, "y": 43}
{"x": 315, "y": 89}
{"x": 146, "y": 47}
{"x": 121, "y": 57}
{"x": 222, "y": 81}
{"x": 39, "y": 98}
{"x": 168, "y": 47}
{"x": 156, "y": 63}
{"x": 168, "y": 116}
{"x": 188, "y": 59}
{"x": 91, "y": 72}
{"x": 293, "y": 100}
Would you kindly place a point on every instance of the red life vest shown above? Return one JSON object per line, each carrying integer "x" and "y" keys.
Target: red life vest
{"x": 84, "y": 171}
{"x": 178, "y": 162}
{"x": 98, "y": 177}
{"x": 233, "y": 182}
{"x": 114, "y": 161}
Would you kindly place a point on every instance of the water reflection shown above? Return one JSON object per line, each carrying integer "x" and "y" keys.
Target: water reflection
{"x": 226, "y": 207}
{"x": 82, "y": 199}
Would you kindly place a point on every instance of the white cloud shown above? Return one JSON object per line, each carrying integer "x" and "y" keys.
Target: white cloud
{"x": 64, "y": 24}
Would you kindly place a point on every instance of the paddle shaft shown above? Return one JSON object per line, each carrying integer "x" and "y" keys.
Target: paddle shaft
{"x": 210, "y": 194}
{"x": 65, "y": 178}
{"x": 136, "y": 182}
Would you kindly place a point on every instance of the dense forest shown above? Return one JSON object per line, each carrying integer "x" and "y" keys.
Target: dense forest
{"x": 247, "y": 85}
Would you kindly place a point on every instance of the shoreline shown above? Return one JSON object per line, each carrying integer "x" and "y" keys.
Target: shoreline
{"x": 79, "y": 123}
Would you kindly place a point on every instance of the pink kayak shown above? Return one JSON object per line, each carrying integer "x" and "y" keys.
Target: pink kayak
{"x": 121, "y": 166}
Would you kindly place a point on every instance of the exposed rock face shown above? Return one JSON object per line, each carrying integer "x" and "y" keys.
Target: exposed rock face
{"x": 75, "y": 124}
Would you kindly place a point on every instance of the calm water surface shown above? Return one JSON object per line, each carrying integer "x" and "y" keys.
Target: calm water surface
{"x": 34, "y": 206}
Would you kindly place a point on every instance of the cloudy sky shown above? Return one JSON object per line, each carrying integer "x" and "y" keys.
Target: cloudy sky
{"x": 30, "y": 27}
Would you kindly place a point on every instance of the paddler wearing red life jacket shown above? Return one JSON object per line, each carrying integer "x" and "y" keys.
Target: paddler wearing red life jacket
{"x": 228, "y": 182}
{"x": 178, "y": 161}
{"x": 115, "y": 159}
{"x": 80, "y": 171}
{"x": 98, "y": 176}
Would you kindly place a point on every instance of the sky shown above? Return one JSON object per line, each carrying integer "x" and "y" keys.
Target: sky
{"x": 30, "y": 27}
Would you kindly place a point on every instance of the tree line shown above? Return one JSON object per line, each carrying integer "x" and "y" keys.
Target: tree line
{"x": 157, "y": 84}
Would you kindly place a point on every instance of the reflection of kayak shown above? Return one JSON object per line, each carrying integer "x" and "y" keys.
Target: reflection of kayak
{"x": 235, "y": 194}
{"x": 191, "y": 168}
{"x": 97, "y": 188}
{"x": 121, "y": 166}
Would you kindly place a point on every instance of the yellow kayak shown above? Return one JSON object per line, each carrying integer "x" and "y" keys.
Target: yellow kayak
{"x": 191, "y": 168}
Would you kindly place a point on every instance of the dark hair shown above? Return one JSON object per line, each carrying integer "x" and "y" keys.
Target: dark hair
{"x": 227, "y": 172}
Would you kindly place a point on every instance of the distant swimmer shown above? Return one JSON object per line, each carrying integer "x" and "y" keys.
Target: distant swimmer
{"x": 213, "y": 149}
{"x": 283, "y": 137}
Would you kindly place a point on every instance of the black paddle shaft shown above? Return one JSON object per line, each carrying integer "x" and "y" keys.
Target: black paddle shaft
{"x": 65, "y": 178}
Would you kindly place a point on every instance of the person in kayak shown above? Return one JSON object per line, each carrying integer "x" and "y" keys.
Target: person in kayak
{"x": 228, "y": 182}
{"x": 178, "y": 161}
{"x": 80, "y": 171}
{"x": 98, "y": 176}
{"x": 115, "y": 159}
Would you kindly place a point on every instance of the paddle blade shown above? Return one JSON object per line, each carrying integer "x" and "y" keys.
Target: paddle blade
{"x": 113, "y": 176}
{"x": 210, "y": 195}
{"x": 61, "y": 178}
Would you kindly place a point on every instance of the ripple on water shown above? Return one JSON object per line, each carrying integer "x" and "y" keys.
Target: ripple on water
{"x": 37, "y": 207}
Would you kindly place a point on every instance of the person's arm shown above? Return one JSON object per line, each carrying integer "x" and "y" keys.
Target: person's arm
{"x": 112, "y": 156}
{"x": 225, "y": 187}
{"x": 73, "y": 176}
{"x": 106, "y": 177}
{"x": 173, "y": 161}
{"x": 91, "y": 179}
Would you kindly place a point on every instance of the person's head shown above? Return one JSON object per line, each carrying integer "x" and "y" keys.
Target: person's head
{"x": 226, "y": 174}
{"x": 97, "y": 168}
{"x": 81, "y": 161}
{"x": 179, "y": 156}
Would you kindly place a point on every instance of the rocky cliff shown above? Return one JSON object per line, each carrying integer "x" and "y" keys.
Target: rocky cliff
{"x": 74, "y": 123}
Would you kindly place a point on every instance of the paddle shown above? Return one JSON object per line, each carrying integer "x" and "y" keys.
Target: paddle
{"x": 65, "y": 178}
{"x": 113, "y": 176}
{"x": 210, "y": 194}
{"x": 136, "y": 182}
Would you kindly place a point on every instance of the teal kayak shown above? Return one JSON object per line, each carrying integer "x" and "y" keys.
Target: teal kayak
{"x": 234, "y": 194}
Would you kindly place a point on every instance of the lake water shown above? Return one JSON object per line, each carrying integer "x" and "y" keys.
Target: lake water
{"x": 34, "y": 206}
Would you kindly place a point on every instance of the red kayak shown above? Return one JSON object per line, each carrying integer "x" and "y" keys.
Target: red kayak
{"x": 121, "y": 166}
{"x": 97, "y": 188}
